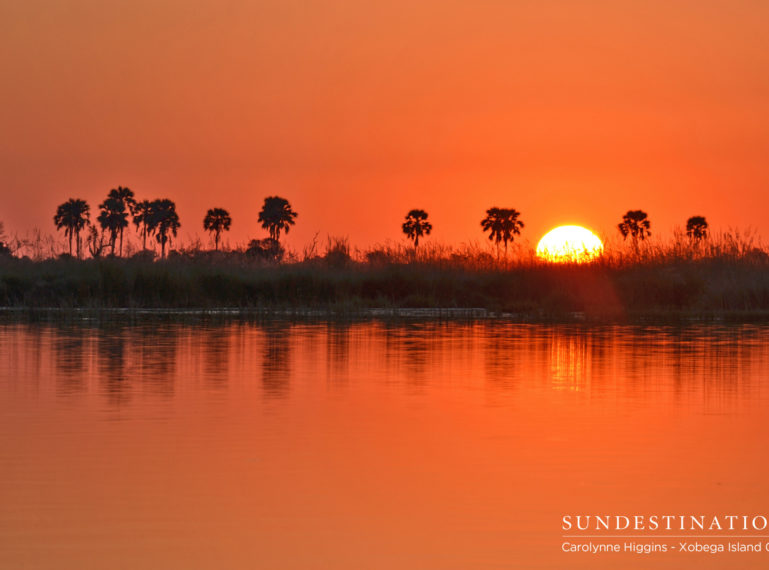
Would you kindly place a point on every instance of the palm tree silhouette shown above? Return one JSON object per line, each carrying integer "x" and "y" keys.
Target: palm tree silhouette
{"x": 163, "y": 221}
{"x": 276, "y": 215}
{"x": 216, "y": 221}
{"x": 503, "y": 225}
{"x": 416, "y": 225}
{"x": 142, "y": 218}
{"x": 697, "y": 228}
{"x": 126, "y": 196}
{"x": 73, "y": 215}
{"x": 113, "y": 219}
{"x": 636, "y": 224}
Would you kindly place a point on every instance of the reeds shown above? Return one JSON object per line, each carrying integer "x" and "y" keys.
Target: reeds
{"x": 726, "y": 274}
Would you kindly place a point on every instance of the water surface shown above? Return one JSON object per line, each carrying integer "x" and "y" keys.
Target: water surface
{"x": 368, "y": 445}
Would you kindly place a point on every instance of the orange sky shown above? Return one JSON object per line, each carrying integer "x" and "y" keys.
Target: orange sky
{"x": 569, "y": 111}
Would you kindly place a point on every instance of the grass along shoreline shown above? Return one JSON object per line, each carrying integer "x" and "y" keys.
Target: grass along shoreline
{"x": 726, "y": 280}
{"x": 12, "y": 315}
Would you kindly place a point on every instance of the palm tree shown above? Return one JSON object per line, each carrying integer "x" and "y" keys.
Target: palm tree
{"x": 217, "y": 220}
{"x": 697, "y": 228}
{"x": 142, "y": 218}
{"x": 416, "y": 225}
{"x": 113, "y": 219}
{"x": 636, "y": 224}
{"x": 73, "y": 215}
{"x": 126, "y": 197}
{"x": 164, "y": 221}
{"x": 276, "y": 215}
{"x": 503, "y": 225}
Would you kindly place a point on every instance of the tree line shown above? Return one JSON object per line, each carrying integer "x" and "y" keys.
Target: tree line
{"x": 503, "y": 224}
{"x": 157, "y": 219}
{"x": 152, "y": 218}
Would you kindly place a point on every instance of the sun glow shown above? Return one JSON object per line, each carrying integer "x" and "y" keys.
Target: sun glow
{"x": 569, "y": 244}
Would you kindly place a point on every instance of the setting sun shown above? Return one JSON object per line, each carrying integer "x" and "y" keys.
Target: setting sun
{"x": 573, "y": 244}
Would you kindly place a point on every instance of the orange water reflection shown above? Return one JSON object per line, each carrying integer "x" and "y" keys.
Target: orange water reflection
{"x": 367, "y": 445}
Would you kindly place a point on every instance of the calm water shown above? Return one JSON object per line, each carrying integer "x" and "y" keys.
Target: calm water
{"x": 370, "y": 445}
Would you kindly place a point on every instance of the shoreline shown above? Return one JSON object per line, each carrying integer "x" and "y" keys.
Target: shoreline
{"x": 664, "y": 290}
{"x": 423, "y": 314}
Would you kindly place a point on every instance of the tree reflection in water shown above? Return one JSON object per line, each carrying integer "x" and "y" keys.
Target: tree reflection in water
{"x": 276, "y": 359}
{"x": 70, "y": 351}
{"x": 111, "y": 357}
{"x": 215, "y": 348}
